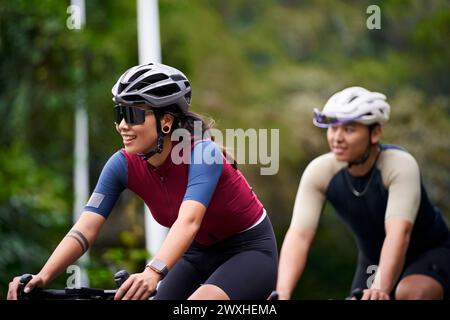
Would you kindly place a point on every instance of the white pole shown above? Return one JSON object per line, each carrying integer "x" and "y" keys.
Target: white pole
{"x": 81, "y": 144}
{"x": 148, "y": 31}
{"x": 150, "y": 51}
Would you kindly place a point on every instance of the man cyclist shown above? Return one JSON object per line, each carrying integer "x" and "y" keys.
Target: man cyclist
{"x": 377, "y": 190}
{"x": 220, "y": 236}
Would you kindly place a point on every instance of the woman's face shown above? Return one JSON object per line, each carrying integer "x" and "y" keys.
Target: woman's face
{"x": 349, "y": 141}
{"x": 138, "y": 138}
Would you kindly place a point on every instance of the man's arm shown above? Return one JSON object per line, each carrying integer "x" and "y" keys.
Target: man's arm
{"x": 293, "y": 257}
{"x": 392, "y": 258}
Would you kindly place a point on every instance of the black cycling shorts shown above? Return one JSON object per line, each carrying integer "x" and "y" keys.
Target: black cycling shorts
{"x": 244, "y": 266}
{"x": 434, "y": 263}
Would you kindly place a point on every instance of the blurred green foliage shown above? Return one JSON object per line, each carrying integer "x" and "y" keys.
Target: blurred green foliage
{"x": 252, "y": 64}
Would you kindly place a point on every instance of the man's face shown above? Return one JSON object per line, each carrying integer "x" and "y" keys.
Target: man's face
{"x": 348, "y": 141}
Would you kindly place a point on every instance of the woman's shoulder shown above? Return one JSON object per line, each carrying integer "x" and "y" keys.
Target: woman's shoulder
{"x": 129, "y": 158}
{"x": 117, "y": 158}
{"x": 204, "y": 143}
{"x": 207, "y": 151}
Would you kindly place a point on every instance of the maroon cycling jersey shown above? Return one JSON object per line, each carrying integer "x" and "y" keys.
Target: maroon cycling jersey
{"x": 231, "y": 205}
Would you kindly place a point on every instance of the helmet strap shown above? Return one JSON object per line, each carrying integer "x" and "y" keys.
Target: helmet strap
{"x": 160, "y": 138}
{"x": 366, "y": 154}
{"x": 362, "y": 159}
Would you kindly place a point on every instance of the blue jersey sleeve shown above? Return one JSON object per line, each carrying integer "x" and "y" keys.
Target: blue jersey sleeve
{"x": 205, "y": 170}
{"x": 113, "y": 180}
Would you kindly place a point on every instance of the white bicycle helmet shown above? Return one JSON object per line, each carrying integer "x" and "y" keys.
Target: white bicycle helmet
{"x": 353, "y": 104}
{"x": 155, "y": 84}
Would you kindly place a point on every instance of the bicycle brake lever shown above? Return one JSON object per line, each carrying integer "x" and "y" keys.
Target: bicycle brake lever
{"x": 357, "y": 294}
{"x": 120, "y": 277}
{"x": 273, "y": 296}
{"x": 25, "y": 278}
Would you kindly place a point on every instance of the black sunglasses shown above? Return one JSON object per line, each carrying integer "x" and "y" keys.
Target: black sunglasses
{"x": 132, "y": 115}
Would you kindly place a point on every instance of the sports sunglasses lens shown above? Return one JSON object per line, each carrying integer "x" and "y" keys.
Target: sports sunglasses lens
{"x": 134, "y": 115}
{"x": 118, "y": 113}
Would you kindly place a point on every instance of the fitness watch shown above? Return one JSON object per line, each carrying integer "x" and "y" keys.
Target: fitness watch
{"x": 158, "y": 266}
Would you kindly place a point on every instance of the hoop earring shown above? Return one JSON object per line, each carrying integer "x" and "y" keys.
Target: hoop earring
{"x": 166, "y": 129}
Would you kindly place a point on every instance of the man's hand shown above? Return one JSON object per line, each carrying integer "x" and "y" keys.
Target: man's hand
{"x": 375, "y": 294}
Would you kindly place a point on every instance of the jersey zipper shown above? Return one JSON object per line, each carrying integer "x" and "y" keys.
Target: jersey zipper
{"x": 163, "y": 179}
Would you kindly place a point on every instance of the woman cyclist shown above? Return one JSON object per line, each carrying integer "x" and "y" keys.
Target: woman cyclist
{"x": 377, "y": 190}
{"x": 221, "y": 243}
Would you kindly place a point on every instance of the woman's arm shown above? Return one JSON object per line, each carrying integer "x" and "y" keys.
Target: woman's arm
{"x": 294, "y": 254}
{"x": 141, "y": 285}
{"x": 392, "y": 258}
{"x": 72, "y": 246}
{"x": 182, "y": 232}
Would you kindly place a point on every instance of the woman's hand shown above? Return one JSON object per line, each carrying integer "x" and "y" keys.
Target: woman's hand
{"x": 375, "y": 294}
{"x": 15, "y": 285}
{"x": 139, "y": 286}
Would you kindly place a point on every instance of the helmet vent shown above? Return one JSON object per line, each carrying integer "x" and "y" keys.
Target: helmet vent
{"x": 177, "y": 77}
{"x": 155, "y": 78}
{"x": 138, "y": 74}
{"x": 138, "y": 86}
{"x": 187, "y": 84}
{"x": 164, "y": 90}
{"x": 122, "y": 86}
{"x": 353, "y": 98}
{"x": 148, "y": 81}
{"x": 187, "y": 96}
{"x": 133, "y": 98}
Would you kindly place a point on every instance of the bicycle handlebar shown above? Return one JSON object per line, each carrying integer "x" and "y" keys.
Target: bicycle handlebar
{"x": 82, "y": 293}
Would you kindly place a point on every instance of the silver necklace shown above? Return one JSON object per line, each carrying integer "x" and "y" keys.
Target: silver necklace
{"x": 355, "y": 192}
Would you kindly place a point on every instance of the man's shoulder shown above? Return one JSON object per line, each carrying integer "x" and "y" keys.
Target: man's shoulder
{"x": 396, "y": 163}
{"x": 321, "y": 170}
{"x": 394, "y": 158}
{"x": 326, "y": 163}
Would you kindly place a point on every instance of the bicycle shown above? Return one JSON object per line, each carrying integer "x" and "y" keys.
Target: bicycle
{"x": 82, "y": 293}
